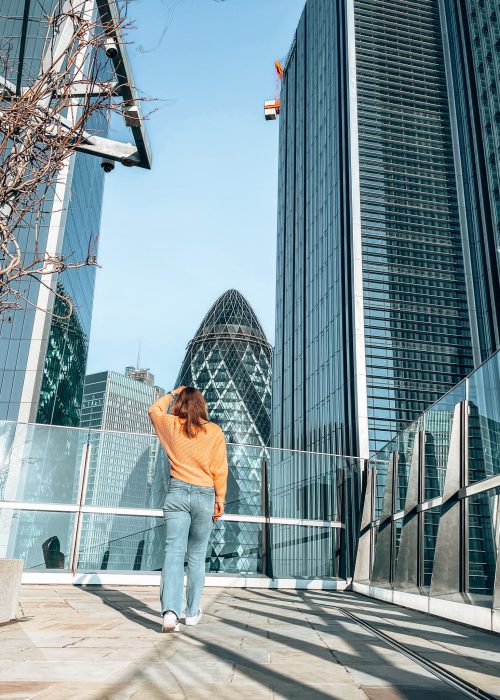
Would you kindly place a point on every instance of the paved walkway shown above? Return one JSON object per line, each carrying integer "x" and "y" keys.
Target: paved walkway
{"x": 99, "y": 643}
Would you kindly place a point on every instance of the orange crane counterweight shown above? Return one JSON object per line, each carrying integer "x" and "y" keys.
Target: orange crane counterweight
{"x": 272, "y": 107}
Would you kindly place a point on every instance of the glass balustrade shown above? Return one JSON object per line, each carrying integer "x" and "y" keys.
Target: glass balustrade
{"x": 80, "y": 500}
{"x": 75, "y": 500}
{"x": 432, "y": 519}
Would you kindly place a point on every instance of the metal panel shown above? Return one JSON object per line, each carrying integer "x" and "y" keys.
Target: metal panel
{"x": 364, "y": 554}
{"x": 409, "y": 559}
{"x": 82, "y": 492}
{"x": 447, "y": 571}
{"x": 384, "y": 551}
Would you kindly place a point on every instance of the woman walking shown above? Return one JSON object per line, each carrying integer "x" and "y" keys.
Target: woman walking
{"x": 195, "y": 498}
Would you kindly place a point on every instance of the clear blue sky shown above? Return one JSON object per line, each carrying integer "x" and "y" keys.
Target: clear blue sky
{"x": 204, "y": 219}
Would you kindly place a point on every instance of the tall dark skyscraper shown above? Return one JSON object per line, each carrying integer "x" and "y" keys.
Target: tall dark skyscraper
{"x": 472, "y": 51}
{"x": 229, "y": 360}
{"x": 384, "y": 297}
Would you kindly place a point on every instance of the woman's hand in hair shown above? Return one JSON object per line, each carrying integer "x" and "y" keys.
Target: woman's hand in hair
{"x": 218, "y": 510}
{"x": 178, "y": 390}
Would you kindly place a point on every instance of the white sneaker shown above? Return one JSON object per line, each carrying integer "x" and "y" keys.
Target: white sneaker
{"x": 170, "y": 622}
{"x": 194, "y": 619}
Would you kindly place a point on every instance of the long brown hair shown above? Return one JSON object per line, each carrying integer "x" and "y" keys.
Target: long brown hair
{"x": 190, "y": 406}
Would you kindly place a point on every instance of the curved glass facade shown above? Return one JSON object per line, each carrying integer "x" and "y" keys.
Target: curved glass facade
{"x": 229, "y": 360}
{"x": 43, "y": 358}
{"x": 63, "y": 373}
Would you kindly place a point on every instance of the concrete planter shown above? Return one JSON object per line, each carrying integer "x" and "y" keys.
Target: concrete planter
{"x": 10, "y": 583}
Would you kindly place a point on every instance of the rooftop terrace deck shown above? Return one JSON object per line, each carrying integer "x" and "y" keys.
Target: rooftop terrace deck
{"x": 97, "y": 642}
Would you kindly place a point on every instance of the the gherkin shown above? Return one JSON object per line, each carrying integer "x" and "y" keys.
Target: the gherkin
{"x": 229, "y": 360}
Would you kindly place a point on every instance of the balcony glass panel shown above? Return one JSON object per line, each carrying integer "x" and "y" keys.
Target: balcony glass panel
{"x": 305, "y": 485}
{"x": 484, "y": 421}
{"x": 306, "y": 552}
{"x": 41, "y": 538}
{"x": 109, "y": 488}
{"x": 482, "y": 513}
{"x": 125, "y": 470}
{"x": 407, "y": 444}
{"x": 438, "y": 421}
{"x": 121, "y": 543}
{"x": 235, "y": 548}
{"x": 40, "y": 463}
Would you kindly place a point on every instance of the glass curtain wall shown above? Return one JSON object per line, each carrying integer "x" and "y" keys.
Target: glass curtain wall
{"x": 430, "y": 520}
{"x": 313, "y": 406}
{"x": 370, "y": 284}
{"x": 23, "y": 66}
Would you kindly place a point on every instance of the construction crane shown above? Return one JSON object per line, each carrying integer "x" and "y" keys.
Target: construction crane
{"x": 272, "y": 108}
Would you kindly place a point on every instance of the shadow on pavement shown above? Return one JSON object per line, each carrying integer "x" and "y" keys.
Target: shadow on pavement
{"x": 368, "y": 654}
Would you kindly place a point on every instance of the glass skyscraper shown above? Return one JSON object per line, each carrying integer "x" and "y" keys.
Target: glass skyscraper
{"x": 43, "y": 358}
{"x": 229, "y": 360}
{"x": 384, "y": 297}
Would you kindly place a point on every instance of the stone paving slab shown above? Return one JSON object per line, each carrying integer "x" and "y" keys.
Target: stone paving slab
{"x": 99, "y": 643}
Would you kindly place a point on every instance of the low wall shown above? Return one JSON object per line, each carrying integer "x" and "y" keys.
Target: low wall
{"x": 11, "y": 571}
{"x": 473, "y": 615}
{"x": 147, "y": 578}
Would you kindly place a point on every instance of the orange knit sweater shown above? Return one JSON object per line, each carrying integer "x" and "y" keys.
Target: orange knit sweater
{"x": 201, "y": 460}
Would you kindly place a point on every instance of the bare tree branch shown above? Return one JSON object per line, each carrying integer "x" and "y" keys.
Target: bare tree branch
{"x": 41, "y": 126}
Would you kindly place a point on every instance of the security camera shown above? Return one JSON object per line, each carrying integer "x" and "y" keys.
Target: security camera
{"x": 110, "y": 48}
{"x": 132, "y": 116}
{"x": 107, "y": 165}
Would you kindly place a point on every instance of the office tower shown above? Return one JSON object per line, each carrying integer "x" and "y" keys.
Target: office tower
{"x": 123, "y": 455}
{"x": 373, "y": 288}
{"x": 229, "y": 360}
{"x": 114, "y": 401}
{"x": 43, "y": 354}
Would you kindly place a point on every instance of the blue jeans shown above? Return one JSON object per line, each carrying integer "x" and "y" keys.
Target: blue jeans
{"x": 188, "y": 511}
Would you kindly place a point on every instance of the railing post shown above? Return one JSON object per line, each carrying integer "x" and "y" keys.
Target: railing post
{"x": 80, "y": 500}
{"x": 464, "y": 503}
{"x": 267, "y": 562}
{"x": 364, "y": 550}
{"x": 394, "y": 495}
